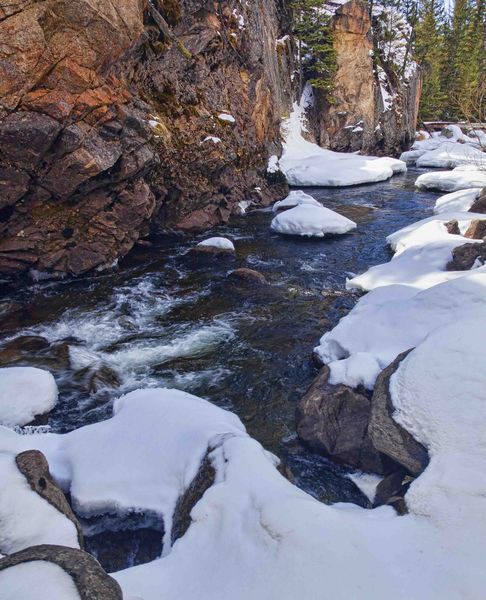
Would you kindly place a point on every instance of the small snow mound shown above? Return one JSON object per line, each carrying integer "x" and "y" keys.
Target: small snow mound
{"x": 460, "y": 201}
{"x": 37, "y": 580}
{"x": 25, "y": 392}
{"x": 226, "y": 117}
{"x": 218, "y": 242}
{"x": 295, "y": 198}
{"x": 312, "y": 221}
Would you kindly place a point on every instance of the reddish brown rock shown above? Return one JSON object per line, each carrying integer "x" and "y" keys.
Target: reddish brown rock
{"x": 479, "y": 205}
{"x": 248, "y": 276}
{"x": 476, "y": 229}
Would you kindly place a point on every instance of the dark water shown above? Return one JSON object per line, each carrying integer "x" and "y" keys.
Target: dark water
{"x": 164, "y": 318}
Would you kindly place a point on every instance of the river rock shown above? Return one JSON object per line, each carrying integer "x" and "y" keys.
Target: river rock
{"x": 91, "y": 581}
{"x": 334, "y": 420}
{"x": 464, "y": 257}
{"x": 249, "y": 276}
{"x": 386, "y": 435}
{"x": 34, "y": 467}
{"x": 392, "y": 489}
{"x": 479, "y": 205}
{"x": 476, "y": 229}
{"x": 452, "y": 227}
{"x": 182, "y": 513}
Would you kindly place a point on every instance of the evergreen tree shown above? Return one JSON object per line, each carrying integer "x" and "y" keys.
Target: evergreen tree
{"x": 312, "y": 27}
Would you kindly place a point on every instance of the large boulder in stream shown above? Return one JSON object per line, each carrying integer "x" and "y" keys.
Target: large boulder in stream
{"x": 58, "y": 571}
{"x": 334, "y": 420}
{"x": 347, "y": 425}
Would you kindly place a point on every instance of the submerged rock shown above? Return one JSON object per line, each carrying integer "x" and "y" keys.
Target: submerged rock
{"x": 91, "y": 581}
{"x": 34, "y": 467}
{"x": 249, "y": 276}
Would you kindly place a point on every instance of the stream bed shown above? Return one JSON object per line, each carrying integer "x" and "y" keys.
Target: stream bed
{"x": 165, "y": 318}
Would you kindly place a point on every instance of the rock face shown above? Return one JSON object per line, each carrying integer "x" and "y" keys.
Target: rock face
{"x": 34, "y": 467}
{"x": 108, "y": 129}
{"x": 374, "y": 109}
{"x": 343, "y": 423}
{"x": 89, "y": 578}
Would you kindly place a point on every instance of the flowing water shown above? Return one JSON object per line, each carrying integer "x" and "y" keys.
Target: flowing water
{"x": 167, "y": 318}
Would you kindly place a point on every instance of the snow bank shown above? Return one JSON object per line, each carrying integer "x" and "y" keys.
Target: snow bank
{"x": 447, "y": 149}
{"x": 37, "y": 580}
{"x": 295, "y": 198}
{"x": 395, "y": 318}
{"x": 311, "y": 221}
{"x": 306, "y": 164}
{"x": 26, "y": 519}
{"x": 451, "y": 181}
{"x": 460, "y": 201}
{"x": 25, "y": 392}
{"x": 218, "y": 242}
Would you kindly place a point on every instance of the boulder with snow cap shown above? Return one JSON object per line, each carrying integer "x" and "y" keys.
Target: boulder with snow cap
{"x": 311, "y": 221}
{"x": 25, "y": 393}
{"x": 295, "y": 198}
{"x": 479, "y": 205}
{"x": 387, "y": 436}
{"x": 215, "y": 245}
{"x": 78, "y": 576}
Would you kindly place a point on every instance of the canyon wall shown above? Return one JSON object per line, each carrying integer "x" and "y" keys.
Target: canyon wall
{"x": 108, "y": 128}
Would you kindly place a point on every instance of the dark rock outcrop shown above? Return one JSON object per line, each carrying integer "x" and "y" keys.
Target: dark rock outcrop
{"x": 464, "y": 257}
{"x": 105, "y": 123}
{"x": 386, "y": 435}
{"x": 392, "y": 489}
{"x": 374, "y": 109}
{"x": 334, "y": 420}
{"x": 92, "y": 583}
{"x": 479, "y": 205}
{"x": 34, "y": 467}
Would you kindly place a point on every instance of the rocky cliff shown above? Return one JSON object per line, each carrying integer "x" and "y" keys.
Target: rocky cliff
{"x": 377, "y": 85}
{"x": 122, "y": 117}
{"x": 109, "y": 127}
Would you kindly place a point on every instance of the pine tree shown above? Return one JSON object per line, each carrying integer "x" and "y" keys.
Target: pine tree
{"x": 312, "y": 27}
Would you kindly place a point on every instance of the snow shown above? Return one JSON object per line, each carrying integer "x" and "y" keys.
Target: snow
{"x": 420, "y": 260}
{"x": 37, "y": 580}
{"x": 211, "y": 138}
{"x": 295, "y": 198}
{"x": 25, "y": 392}
{"x": 451, "y": 181}
{"x": 218, "y": 242}
{"x": 446, "y": 149}
{"x": 395, "y": 318}
{"x": 359, "y": 369}
{"x": 312, "y": 221}
{"x": 26, "y": 519}
{"x": 460, "y": 201}
{"x": 366, "y": 482}
{"x": 272, "y": 166}
{"x": 304, "y": 163}
{"x": 143, "y": 440}
{"x": 226, "y": 117}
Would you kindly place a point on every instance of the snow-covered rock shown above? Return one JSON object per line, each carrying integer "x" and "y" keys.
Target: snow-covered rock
{"x": 295, "y": 198}
{"x": 137, "y": 460}
{"x": 226, "y": 117}
{"x": 220, "y": 243}
{"x": 311, "y": 221}
{"x": 27, "y": 519}
{"x": 460, "y": 201}
{"x": 25, "y": 392}
{"x": 451, "y": 181}
{"x": 395, "y": 318}
{"x": 447, "y": 149}
{"x": 304, "y": 163}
